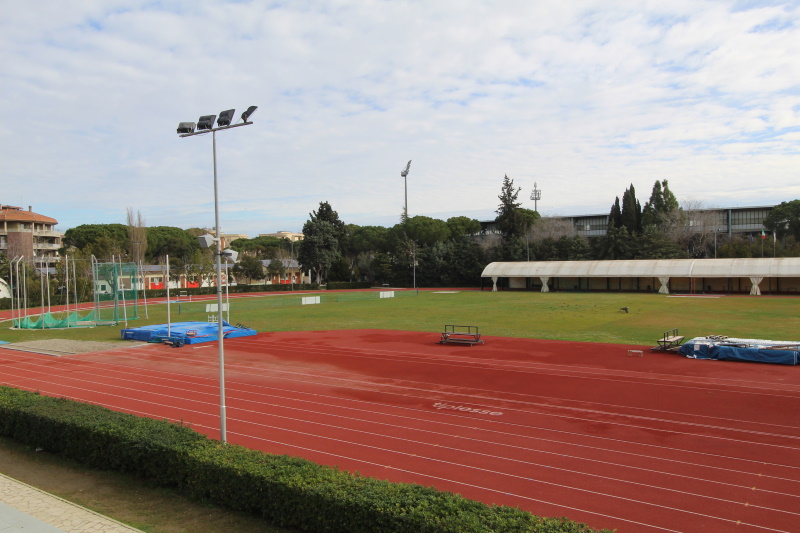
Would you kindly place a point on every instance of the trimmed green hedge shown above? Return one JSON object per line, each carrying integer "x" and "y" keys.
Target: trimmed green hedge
{"x": 233, "y": 289}
{"x": 286, "y": 491}
{"x": 5, "y": 303}
{"x": 339, "y": 285}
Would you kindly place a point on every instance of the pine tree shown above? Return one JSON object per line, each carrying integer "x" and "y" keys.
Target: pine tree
{"x": 661, "y": 203}
{"x": 507, "y": 220}
{"x": 615, "y": 216}
{"x": 631, "y": 211}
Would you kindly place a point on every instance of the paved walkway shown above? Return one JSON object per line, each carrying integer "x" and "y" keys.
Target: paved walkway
{"x": 26, "y": 509}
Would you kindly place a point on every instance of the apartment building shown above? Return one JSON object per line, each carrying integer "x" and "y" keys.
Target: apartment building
{"x": 29, "y": 234}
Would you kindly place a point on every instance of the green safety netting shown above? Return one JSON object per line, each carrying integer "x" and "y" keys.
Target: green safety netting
{"x": 61, "y": 320}
{"x": 116, "y": 299}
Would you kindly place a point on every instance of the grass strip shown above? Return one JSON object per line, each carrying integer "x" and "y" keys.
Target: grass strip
{"x": 286, "y": 491}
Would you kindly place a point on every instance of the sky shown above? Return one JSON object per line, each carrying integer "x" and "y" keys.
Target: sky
{"x": 582, "y": 98}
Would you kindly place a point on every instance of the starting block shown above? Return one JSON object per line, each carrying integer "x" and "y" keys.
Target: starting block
{"x": 635, "y": 353}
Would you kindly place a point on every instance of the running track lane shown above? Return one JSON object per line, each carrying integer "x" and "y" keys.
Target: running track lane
{"x": 659, "y": 443}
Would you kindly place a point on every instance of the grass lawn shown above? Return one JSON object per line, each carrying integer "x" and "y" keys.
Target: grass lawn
{"x": 590, "y": 317}
{"x": 123, "y": 497}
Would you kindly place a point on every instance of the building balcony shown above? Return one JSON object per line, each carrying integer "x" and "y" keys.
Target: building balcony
{"x": 46, "y": 246}
{"x": 47, "y": 233}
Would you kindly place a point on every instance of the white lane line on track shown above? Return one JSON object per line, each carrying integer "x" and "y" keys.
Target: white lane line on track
{"x": 331, "y": 375}
{"x": 684, "y": 451}
{"x": 731, "y": 521}
{"x": 567, "y": 369}
{"x": 446, "y": 462}
{"x": 127, "y": 381}
{"x": 480, "y": 399}
{"x": 492, "y": 456}
{"x": 578, "y": 418}
{"x": 567, "y": 407}
{"x": 152, "y": 415}
{"x": 634, "y": 408}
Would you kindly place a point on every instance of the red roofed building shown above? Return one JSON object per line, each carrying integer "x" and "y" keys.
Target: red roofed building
{"x": 29, "y": 234}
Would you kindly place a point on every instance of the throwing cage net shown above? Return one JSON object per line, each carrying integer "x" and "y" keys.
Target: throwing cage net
{"x": 116, "y": 294}
{"x": 115, "y": 288}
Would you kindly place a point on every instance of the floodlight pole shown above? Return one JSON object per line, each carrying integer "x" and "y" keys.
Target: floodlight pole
{"x": 218, "y": 267}
{"x": 404, "y": 174}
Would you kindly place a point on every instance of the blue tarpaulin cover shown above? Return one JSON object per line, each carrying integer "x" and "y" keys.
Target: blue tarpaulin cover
{"x": 190, "y": 332}
{"x": 755, "y": 350}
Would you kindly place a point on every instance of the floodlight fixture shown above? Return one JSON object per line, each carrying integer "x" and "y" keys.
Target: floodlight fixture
{"x": 225, "y": 118}
{"x": 206, "y": 241}
{"x": 206, "y": 122}
{"x": 230, "y": 255}
{"x": 186, "y": 127}
{"x": 250, "y": 111}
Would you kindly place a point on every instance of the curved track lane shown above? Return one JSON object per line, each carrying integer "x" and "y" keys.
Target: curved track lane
{"x": 659, "y": 443}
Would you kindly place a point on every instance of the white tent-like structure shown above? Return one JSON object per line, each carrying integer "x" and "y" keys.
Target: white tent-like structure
{"x": 776, "y": 275}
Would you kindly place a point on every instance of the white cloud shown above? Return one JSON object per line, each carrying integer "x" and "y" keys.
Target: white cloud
{"x": 582, "y": 97}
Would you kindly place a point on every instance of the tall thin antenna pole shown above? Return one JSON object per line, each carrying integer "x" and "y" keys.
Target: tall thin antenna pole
{"x": 536, "y": 195}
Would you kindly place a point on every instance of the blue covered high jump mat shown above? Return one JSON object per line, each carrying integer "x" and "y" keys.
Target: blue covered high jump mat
{"x": 189, "y": 332}
{"x": 754, "y": 350}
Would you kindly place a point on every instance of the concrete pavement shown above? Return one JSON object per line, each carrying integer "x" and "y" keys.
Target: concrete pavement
{"x": 26, "y": 509}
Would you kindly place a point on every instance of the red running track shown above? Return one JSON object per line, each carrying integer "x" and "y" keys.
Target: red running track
{"x": 658, "y": 443}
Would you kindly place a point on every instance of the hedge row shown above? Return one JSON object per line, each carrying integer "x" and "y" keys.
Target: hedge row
{"x": 339, "y": 285}
{"x": 232, "y": 289}
{"x": 5, "y": 303}
{"x": 286, "y": 491}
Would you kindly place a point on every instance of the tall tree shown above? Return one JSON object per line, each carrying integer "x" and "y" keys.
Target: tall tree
{"x": 250, "y": 268}
{"x": 275, "y": 268}
{"x": 137, "y": 235}
{"x": 262, "y": 247}
{"x": 463, "y": 226}
{"x": 661, "y": 203}
{"x": 615, "y": 216}
{"x": 319, "y": 248}
{"x": 325, "y": 213}
{"x": 5, "y": 266}
{"x": 631, "y": 216}
{"x": 426, "y": 231}
{"x": 784, "y": 220}
{"x": 100, "y": 240}
{"x": 169, "y": 240}
{"x": 616, "y": 244}
{"x": 508, "y": 222}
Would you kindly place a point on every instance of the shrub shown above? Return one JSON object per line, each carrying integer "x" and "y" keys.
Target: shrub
{"x": 287, "y": 491}
{"x": 339, "y": 285}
